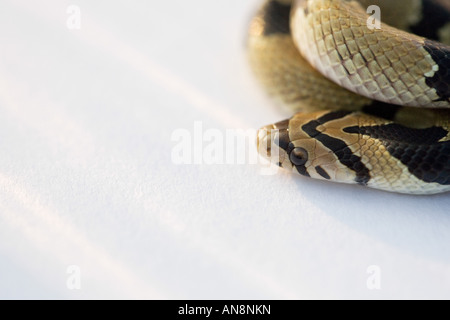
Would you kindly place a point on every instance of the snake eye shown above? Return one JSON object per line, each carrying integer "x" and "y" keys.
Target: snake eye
{"x": 298, "y": 156}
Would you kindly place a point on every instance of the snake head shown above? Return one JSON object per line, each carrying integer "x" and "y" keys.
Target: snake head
{"x": 313, "y": 145}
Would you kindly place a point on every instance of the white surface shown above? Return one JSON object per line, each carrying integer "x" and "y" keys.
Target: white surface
{"x": 86, "y": 177}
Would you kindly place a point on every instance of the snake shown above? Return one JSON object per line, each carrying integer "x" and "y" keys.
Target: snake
{"x": 370, "y": 95}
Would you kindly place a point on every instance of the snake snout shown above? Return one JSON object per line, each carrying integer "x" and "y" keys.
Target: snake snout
{"x": 272, "y": 141}
{"x": 263, "y": 141}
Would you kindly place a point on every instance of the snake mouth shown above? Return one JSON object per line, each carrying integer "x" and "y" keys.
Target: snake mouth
{"x": 273, "y": 142}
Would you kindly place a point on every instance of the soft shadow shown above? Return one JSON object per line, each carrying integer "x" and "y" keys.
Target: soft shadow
{"x": 419, "y": 225}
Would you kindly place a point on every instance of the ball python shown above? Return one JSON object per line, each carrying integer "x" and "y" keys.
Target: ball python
{"x": 371, "y": 104}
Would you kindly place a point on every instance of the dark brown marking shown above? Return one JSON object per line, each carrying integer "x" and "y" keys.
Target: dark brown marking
{"x": 276, "y": 18}
{"x": 434, "y": 17}
{"x": 322, "y": 173}
{"x": 418, "y": 149}
{"x": 381, "y": 110}
{"x": 441, "y": 79}
{"x": 339, "y": 147}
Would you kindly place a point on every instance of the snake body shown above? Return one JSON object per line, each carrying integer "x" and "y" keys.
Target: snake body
{"x": 372, "y": 104}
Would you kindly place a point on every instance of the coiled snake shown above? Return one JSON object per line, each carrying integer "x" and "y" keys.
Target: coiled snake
{"x": 389, "y": 128}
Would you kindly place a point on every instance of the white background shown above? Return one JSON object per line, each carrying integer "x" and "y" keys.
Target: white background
{"x": 87, "y": 179}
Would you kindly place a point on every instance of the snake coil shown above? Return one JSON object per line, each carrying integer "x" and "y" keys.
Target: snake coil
{"x": 372, "y": 105}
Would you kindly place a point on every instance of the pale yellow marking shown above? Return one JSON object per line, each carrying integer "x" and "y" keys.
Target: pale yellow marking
{"x": 385, "y": 50}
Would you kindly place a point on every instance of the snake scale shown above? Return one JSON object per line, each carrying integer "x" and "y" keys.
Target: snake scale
{"x": 372, "y": 104}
